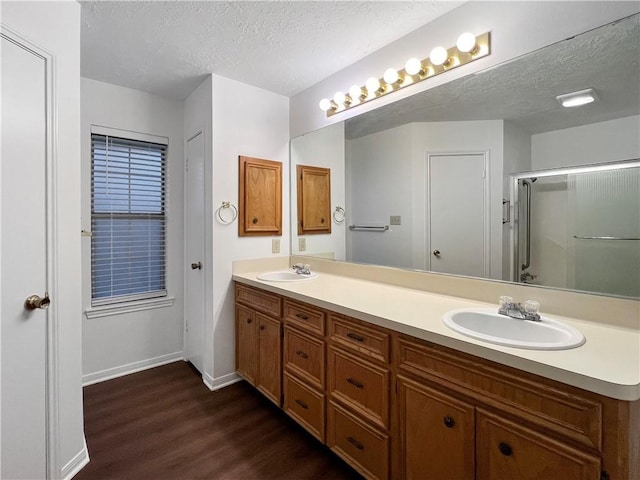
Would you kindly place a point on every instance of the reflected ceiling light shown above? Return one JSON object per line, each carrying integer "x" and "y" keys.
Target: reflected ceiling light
{"x": 468, "y": 49}
{"x": 414, "y": 67}
{"x": 467, "y": 43}
{"x": 575, "y": 99}
{"x": 439, "y": 56}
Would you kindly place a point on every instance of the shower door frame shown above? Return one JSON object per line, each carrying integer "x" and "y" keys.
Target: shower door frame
{"x": 515, "y": 199}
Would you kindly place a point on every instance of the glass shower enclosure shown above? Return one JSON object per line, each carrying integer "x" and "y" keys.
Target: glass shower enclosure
{"x": 578, "y": 228}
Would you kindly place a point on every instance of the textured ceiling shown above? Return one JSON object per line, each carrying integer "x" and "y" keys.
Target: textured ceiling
{"x": 523, "y": 91}
{"x": 167, "y": 48}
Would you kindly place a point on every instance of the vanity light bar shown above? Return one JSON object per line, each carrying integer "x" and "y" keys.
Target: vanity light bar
{"x": 468, "y": 48}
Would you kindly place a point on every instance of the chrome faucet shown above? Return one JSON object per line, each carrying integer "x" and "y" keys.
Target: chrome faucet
{"x": 528, "y": 311}
{"x": 301, "y": 269}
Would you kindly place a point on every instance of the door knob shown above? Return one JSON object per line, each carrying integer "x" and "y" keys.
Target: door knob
{"x": 196, "y": 266}
{"x": 35, "y": 301}
{"x": 436, "y": 252}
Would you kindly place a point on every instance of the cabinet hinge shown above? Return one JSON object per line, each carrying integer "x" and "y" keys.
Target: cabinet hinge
{"x": 604, "y": 475}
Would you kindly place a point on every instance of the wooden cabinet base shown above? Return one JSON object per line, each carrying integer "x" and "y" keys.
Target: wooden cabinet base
{"x": 361, "y": 446}
{"x": 305, "y": 405}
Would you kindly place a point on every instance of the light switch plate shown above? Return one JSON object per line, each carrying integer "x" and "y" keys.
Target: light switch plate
{"x": 395, "y": 220}
{"x": 302, "y": 244}
{"x": 275, "y": 245}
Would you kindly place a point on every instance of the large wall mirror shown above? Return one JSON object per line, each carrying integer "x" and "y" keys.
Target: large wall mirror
{"x": 490, "y": 176}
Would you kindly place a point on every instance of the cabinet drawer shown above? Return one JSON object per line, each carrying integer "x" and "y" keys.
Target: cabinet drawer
{"x": 304, "y": 316}
{"x": 360, "y": 385}
{"x": 508, "y": 450}
{"x": 304, "y": 405}
{"x": 355, "y": 336}
{"x": 264, "y": 302}
{"x": 363, "y": 447}
{"x": 304, "y": 356}
{"x": 563, "y": 410}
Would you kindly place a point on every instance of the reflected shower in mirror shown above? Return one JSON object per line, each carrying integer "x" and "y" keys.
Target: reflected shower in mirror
{"x": 436, "y": 168}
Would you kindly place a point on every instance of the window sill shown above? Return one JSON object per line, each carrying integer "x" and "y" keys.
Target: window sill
{"x": 129, "y": 307}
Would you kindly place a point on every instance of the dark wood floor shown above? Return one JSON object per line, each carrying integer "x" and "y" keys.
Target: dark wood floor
{"x": 163, "y": 423}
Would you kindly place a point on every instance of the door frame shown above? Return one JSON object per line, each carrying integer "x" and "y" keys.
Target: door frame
{"x": 487, "y": 204}
{"x": 51, "y": 252}
{"x": 185, "y": 350}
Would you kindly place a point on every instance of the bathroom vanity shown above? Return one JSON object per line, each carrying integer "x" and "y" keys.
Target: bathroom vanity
{"x": 410, "y": 399}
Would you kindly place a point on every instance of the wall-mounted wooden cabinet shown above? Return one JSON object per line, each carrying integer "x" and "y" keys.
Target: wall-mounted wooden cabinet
{"x": 314, "y": 199}
{"x": 260, "y": 197}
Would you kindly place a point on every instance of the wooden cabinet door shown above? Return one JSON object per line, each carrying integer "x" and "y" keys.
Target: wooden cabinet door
{"x": 246, "y": 343}
{"x": 506, "y": 450}
{"x": 314, "y": 199}
{"x": 269, "y": 358}
{"x": 436, "y": 434}
{"x": 260, "y": 199}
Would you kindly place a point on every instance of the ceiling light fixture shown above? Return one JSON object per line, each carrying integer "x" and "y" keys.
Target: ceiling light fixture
{"x": 414, "y": 67}
{"x": 468, "y": 49}
{"x": 575, "y": 99}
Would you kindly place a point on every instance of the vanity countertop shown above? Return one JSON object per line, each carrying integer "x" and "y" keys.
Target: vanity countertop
{"x": 608, "y": 363}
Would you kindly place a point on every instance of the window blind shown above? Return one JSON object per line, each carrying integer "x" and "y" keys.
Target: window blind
{"x": 128, "y": 222}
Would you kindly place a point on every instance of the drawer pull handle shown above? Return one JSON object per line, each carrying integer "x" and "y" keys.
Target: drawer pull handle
{"x": 449, "y": 422}
{"x": 249, "y": 320}
{"x": 505, "y": 449}
{"x": 355, "y": 443}
{"x": 262, "y": 327}
{"x": 302, "y": 354}
{"x": 355, "y": 337}
{"x": 302, "y": 316}
{"x": 302, "y": 404}
{"x": 355, "y": 383}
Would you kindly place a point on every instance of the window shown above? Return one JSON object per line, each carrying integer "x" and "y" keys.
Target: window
{"x": 128, "y": 221}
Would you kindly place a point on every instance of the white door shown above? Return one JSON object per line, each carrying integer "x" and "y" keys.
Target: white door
{"x": 458, "y": 214}
{"x": 23, "y": 263}
{"x": 195, "y": 276}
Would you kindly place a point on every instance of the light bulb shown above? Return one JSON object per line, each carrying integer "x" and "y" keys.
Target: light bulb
{"x": 355, "y": 92}
{"x": 391, "y": 76}
{"x": 325, "y": 104}
{"x": 339, "y": 98}
{"x": 466, "y": 42}
{"x": 413, "y": 66}
{"x": 373, "y": 85}
{"x": 438, "y": 56}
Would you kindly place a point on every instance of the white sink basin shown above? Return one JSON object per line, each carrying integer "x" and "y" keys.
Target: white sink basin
{"x": 285, "y": 276}
{"x": 488, "y": 325}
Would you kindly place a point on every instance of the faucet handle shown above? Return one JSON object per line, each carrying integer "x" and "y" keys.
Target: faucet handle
{"x": 532, "y": 307}
{"x": 505, "y": 301}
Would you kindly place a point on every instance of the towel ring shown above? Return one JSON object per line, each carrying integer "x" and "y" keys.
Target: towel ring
{"x": 339, "y": 214}
{"x": 234, "y": 213}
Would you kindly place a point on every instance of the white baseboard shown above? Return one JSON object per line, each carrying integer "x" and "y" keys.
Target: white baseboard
{"x": 76, "y": 464}
{"x": 217, "y": 383}
{"x": 108, "y": 374}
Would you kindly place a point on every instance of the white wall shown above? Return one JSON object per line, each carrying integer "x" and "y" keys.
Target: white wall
{"x": 516, "y": 28}
{"x": 56, "y": 27}
{"x": 601, "y": 142}
{"x": 252, "y": 122}
{"x": 116, "y": 344}
{"x": 324, "y": 148}
{"x": 379, "y": 182}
